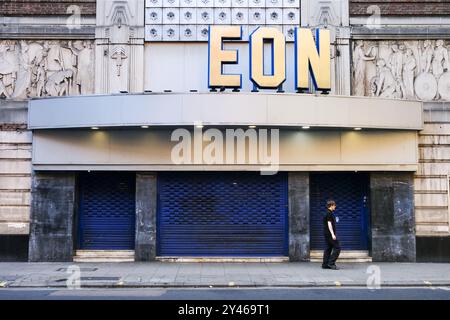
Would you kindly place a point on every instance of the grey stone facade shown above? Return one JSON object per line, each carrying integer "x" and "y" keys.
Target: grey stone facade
{"x": 145, "y": 245}
{"x": 403, "y": 205}
{"x": 393, "y": 222}
{"x": 52, "y": 214}
{"x": 299, "y": 213}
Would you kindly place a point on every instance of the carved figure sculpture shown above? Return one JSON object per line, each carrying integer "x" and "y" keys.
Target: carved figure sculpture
{"x": 359, "y": 61}
{"x": 387, "y": 86}
{"x": 409, "y": 67}
{"x": 58, "y": 83}
{"x": 440, "y": 62}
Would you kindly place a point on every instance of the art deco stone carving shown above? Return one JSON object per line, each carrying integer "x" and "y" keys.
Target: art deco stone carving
{"x": 119, "y": 55}
{"x": 45, "y": 68}
{"x": 402, "y": 69}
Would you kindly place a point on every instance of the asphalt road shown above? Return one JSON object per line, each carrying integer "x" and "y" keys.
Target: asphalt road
{"x": 432, "y": 293}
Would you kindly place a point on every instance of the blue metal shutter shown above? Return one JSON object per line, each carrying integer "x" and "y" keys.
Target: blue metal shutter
{"x": 350, "y": 191}
{"x": 107, "y": 211}
{"x": 222, "y": 214}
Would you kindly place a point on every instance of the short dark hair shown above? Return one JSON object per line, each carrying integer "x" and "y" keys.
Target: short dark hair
{"x": 330, "y": 203}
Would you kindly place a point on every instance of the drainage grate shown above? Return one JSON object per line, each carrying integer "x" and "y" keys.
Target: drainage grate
{"x": 81, "y": 269}
{"x": 94, "y": 279}
{"x": 100, "y": 278}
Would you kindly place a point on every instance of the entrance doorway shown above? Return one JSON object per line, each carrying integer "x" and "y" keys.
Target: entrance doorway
{"x": 350, "y": 190}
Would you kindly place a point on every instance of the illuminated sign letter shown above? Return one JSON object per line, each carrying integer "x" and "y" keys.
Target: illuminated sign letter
{"x": 217, "y": 57}
{"x": 312, "y": 57}
{"x": 278, "y": 73}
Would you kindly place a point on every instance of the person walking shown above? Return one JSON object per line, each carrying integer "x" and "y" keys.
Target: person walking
{"x": 333, "y": 248}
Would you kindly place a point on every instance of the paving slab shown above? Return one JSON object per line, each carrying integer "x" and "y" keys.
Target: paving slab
{"x": 170, "y": 274}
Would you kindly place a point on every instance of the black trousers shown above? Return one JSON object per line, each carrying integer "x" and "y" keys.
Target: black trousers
{"x": 331, "y": 253}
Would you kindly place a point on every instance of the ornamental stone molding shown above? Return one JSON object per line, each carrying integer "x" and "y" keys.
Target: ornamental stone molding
{"x": 410, "y": 69}
{"x": 120, "y": 46}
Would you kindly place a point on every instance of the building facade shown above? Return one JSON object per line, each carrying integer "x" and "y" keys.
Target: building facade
{"x": 114, "y": 148}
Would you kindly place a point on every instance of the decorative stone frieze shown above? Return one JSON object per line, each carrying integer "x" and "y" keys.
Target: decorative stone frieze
{"x": 412, "y": 69}
{"x": 36, "y": 68}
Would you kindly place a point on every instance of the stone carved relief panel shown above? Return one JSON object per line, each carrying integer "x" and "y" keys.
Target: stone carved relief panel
{"x": 409, "y": 69}
{"x": 37, "y": 68}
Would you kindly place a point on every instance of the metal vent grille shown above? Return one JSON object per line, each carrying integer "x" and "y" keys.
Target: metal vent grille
{"x": 350, "y": 191}
{"x": 107, "y": 211}
{"x": 222, "y": 214}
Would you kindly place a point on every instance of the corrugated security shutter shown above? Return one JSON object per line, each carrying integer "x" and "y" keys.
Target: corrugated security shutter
{"x": 107, "y": 211}
{"x": 350, "y": 191}
{"x": 222, "y": 214}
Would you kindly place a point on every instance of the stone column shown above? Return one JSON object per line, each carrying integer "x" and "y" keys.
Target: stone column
{"x": 342, "y": 74}
{"x": 52, "y": 214}
{"x": 333, "y": 15}
{"x": 119, "y": 40}
{"x": 298, "y": 184}
{"x": 145, "y": 245}
{"x": 393, "y": 222}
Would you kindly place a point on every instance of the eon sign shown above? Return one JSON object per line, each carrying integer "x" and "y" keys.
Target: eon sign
{"x": 311, "y": 57}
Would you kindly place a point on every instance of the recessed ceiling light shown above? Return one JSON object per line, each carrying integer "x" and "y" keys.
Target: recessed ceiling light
{"x": 357, "y": 129}
{"x": 199, "y": 126}
{"x": 305, "y": 127}
{"x": 94, "y": 128}
{"x": 252, "y": 126}
{"x": 144, "y": 127}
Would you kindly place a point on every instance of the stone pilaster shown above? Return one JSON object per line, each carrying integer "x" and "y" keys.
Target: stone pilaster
{"x": 51, "y": 221}
{"x": 393, "y": 222}
{"x": 145, "y": 245}
{"x": 298, "y": 184}
{"x": 119, "y": 53}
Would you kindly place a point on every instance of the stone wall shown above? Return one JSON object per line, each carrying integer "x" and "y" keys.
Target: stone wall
{"x": 45, "y": 7}
{"x": 299, "y": 214}
{"x": 15, "y": 168}
{"x": 392, "y": 209}
{"x": 52, "y": 215}
{"x": 145, "y": 243}
{"x": 432, "y": 178}
{"x": 400, "y": 7}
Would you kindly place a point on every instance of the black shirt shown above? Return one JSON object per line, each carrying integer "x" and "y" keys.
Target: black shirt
{"x": 331, "y": 218}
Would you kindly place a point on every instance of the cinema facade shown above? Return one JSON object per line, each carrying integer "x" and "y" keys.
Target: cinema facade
{"x": 114, "y": 148}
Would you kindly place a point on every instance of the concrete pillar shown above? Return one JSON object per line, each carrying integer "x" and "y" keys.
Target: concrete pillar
{"x": 52, "y": 213}
{"x": 298, "y": 184}
{"x": 145, "y": 245}
{"x": 393, "y": 222}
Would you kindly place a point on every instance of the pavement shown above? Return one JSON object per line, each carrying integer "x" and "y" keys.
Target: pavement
{"x": 206, "y": 294}
{"x": 220, "y": 275}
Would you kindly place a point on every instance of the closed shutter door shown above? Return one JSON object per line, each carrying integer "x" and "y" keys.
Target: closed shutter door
{"x": 350, "y": 191}
{"x": 222, "y": 214}
{"x": 107, "y": 211}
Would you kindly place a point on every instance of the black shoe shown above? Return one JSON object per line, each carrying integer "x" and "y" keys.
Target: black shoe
{"x": 325, "y": 267}
{"x": 333, "y": 267}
